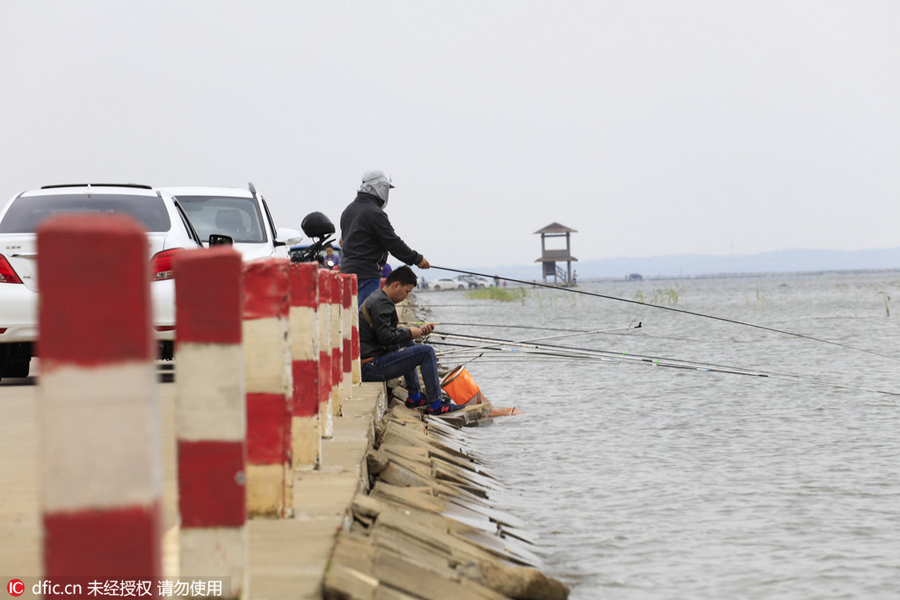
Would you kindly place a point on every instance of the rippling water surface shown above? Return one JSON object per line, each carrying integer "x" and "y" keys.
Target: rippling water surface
{"x": 649, "y": 482}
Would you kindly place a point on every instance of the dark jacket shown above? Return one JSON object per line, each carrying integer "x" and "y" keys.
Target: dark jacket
{"x": 367, "y": 238}
{"x": 379, "y": 337}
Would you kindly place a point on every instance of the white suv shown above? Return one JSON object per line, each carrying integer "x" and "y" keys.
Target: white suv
{"x": 168, "y": 230}
{"x": 240, "y": 213}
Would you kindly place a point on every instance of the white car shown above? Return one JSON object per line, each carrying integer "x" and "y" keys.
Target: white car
{"x": 240, "y": 213}
{"x": 168, "y": 230}
{"x": 447, "y": 284}
{"x": 475, "y": 282}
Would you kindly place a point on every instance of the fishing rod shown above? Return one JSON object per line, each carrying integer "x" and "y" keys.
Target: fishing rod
{"x": 549, "y": 349}
{"x": 593, "y": 352}
{"x": 673, "y": 309}
{"x": 536, "y": 328}
{"x": 549, "y": 337}
{"x": 532, "y": 327}
{"x": 666, "y": 362}
{"x": 569, "y": 351}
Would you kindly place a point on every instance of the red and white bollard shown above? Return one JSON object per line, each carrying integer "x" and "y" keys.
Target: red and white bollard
{"x": 99, "y": 419}
{"x": 325, "y": 284}
{"x": 211, "y": 417}
{"x": 356, "y": 366}
{"x": 337, "y": 344}
{"x": 347, "y": 331}
{"x": 306, "y": 438}
{"x": 267, "y": 364}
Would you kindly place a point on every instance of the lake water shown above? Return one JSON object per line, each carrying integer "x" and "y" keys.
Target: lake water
{"x": 641, "y": 481}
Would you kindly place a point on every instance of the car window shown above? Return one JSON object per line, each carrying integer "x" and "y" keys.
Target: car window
{"x": 237, "y": 217}
{"x": 27, "y": 212}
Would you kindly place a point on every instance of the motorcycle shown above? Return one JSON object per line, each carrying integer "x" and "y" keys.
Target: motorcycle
{"x": 317, "y": 227}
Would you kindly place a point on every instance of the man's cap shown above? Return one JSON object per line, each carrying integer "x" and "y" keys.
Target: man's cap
{"x": 375, "y": 174}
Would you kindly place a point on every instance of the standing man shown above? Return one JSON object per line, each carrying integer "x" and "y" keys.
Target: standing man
{"x": 367, "y": 236}
{"x": 387, "y": 350}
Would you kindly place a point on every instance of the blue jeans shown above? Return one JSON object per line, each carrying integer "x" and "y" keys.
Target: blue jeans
{"x": 403, "y": 362}
{"x": 365, "y": 287}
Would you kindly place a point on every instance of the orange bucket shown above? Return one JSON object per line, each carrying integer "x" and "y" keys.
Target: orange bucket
{"x": 460, "y": 386}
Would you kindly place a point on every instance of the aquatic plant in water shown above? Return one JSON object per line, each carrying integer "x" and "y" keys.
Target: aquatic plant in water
{"x": 886, "y": 298}
{"x": 498, "y": 294}
{"x": 660, "y": 296}
{"x": 760, "y": 298}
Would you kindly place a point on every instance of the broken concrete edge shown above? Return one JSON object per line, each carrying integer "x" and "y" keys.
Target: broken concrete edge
{"x": 423, "y": 523}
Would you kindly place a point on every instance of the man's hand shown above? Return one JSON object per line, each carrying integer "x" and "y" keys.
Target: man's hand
{"x": 422, "y": 331}
{"x": 424, "y": 264}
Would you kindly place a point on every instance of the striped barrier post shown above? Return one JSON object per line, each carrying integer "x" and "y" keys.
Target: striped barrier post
{"x": 324, "y": 285}
{"x": 99, "y": 418}
{"x": 347, "y": 331}
{"x": 267, "y": 364}
{"x": 337, "y": 344}
{"x": 211, "y": 417}
{"x": 306, "y": 442}
{"x": 356, "y": 367}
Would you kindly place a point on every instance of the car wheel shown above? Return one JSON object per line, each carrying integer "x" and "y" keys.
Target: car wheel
{"x": 15, "y": 368}
{"x": 437, "y": 287}
{"x": 15, "y": 359}
{"x": 166, "y": 350}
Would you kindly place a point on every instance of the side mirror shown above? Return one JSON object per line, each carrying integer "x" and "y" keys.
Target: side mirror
{"x": 218, "y": 239}
{"x": 287, "y": 237}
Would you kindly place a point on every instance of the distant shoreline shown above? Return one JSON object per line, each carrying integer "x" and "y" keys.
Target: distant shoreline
{"x": 736, "y": 275}
{"x": 708, "y": 266}
{"x": 741, "y": 275}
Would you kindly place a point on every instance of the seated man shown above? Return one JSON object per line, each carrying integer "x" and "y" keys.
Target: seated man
{"x": 388, "y": 351}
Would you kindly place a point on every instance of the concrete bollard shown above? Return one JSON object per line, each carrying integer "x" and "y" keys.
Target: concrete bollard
{"x": 337, "y": 344}
{"x": 347, "y": 331}
{"x": 267, "y": 364}
{"x": 356, "y": 366}
{"x": 211, "y": 417}
{"x": 99, "y": 418}
{"x": 306, "y": 438}
{"x": 324, "y": 284}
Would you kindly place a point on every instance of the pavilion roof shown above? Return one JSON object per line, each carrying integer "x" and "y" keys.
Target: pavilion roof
{"x": 556, "y": 228}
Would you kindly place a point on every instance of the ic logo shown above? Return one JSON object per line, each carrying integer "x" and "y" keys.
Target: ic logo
{"x": 15, "y": 587}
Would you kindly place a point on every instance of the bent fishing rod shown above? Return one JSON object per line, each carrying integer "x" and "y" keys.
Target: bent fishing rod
{"x": 671, "y": 309}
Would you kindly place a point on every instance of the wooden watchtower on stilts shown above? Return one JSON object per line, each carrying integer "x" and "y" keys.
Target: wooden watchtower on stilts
{"x": 549, "y": 257}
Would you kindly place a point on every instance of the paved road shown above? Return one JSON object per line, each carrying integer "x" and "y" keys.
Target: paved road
{"x": 20, "y": 513}
{"x": 286, "y": 557}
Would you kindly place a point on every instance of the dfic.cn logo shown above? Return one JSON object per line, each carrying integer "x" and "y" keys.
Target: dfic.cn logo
{"x": 15, "y": 587}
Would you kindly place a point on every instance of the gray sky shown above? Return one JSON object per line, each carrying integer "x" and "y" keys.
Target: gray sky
{"x": 651, "y": 127}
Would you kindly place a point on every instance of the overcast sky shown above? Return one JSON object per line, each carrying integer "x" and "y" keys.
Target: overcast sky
{"x": 652, "y": 128}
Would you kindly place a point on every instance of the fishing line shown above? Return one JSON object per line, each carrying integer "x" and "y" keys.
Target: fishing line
{"x": 672, "y": 309}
